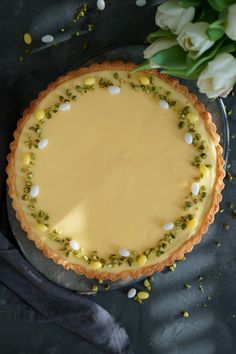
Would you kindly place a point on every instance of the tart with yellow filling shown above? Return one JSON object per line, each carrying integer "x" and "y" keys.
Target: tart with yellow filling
{"x": 115, "y": 174}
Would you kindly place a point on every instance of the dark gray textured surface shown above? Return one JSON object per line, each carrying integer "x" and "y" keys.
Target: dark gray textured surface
{"x": 156, "y": 326}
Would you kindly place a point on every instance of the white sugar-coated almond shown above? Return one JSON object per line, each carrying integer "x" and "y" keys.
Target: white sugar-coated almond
{"x": 168, "y": 226}
{"x": 141, "y": 3}
{"x": 64, "y": 106}
{"x": 131, "y": 293}
{"x": 48, "y": 38}
{"x": 195, "y": 188}
{"x": 74, "y": 245}
{"x": 101, "y": 5}
{"x": 43, "y": 143}
{"x": 34, "y": 191}
{"x": 188, "y": 138}
{"x": 123, "y": 252}
{"x": 163, "y": 104}
{"x": 114, "y": 90}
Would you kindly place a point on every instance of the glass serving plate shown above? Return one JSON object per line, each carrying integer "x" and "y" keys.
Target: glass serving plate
{"x": 67, "y": 278}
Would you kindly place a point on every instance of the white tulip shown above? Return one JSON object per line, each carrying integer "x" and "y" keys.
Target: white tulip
{"x": 231, "y": 22}
{"x": 219, "y": 76}
{"x": 171, "y": 16}
{"x": 157, "y": 46}
{"x": 193, "y": 38}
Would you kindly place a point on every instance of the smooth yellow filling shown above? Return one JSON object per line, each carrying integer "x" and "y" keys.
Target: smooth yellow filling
{"x": 115, "y": 170}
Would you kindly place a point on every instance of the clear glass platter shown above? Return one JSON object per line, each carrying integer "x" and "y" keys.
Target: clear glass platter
{"x": 67, "y": 278}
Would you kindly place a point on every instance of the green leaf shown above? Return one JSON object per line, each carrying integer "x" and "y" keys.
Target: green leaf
{"x": 182, "y": 74}
{"x": 171, "y": 58}
{"x": 220, "y": 5}
{"x": 189, "y": 3}
{"x": 144, "y": 66}
{"x": 223, "y": 16}
{"x": 159, "y": 34}
{"x": 193, "y": 64}
{"x": 215, "y": 30}
{"x": 228, "y": 48}
{"x": 206, "y": 13}
{"x": 215, "y": 34}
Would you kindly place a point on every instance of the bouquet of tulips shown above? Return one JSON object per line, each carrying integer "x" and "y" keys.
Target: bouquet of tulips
{"x": 196, "y": 40}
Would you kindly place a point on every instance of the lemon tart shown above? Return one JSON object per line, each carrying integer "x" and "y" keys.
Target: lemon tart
{"x": 115, "y": 174}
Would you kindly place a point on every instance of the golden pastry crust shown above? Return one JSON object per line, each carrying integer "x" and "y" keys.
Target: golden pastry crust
{"x": 186, "y": 247}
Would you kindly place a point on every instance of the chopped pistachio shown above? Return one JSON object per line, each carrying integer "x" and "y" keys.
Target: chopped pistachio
{"x": 90, "y": 27}
{"x": 229, "y": 176}
{"x": 104, "y": 83}
{"x": 181, "y": 124}
{"x": 130, "y": 261}
{"x": 201, "y": 288}
{"x": 94, "y": 288}
{"x": 68, "y": 253}
{"x": 146, "y": 284}
{"x": 159, "y": 253}
{"x": 188, "y": 204}
{"x": 172, "y": 267}
{"x": 226, "y": 226}
{"x": 139, "y": 301}
{"x": 187, "y": 286}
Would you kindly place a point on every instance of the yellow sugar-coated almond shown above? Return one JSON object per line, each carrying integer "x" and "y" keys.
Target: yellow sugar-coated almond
{"x": 192, "y": 117}
{"x": 27, "y": 38}
{"x": 39, "y": 113}
{"x": 203, "y": 170}
{"x": 192, "y": 223}
{"x": 143, "y": 295}
{"x": 89, "y": 81}
{"x": 26, "y": 159}
{"x": 95, "y": 265}
{"x": 41, "y": 227}
{"x": 144, "y": 80}
{"x": 142, "y": 260}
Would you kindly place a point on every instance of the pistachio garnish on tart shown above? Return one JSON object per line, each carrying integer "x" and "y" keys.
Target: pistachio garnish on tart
{"x": 115, "y": 174}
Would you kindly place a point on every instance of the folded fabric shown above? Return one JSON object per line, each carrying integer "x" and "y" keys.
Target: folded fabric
{"x": 69, "y": 310}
